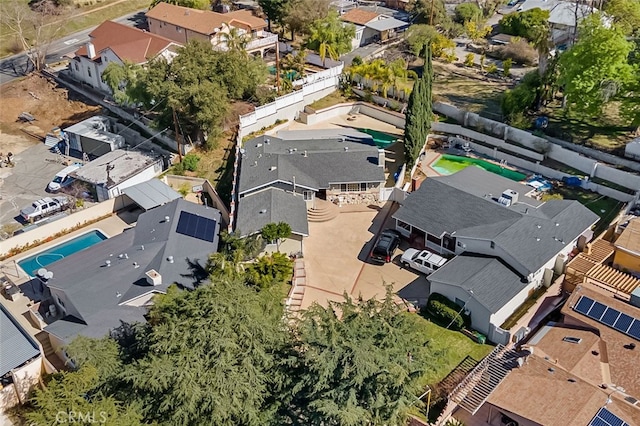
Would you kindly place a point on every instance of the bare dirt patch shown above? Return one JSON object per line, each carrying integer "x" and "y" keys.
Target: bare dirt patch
{"x": 50, "y": 105}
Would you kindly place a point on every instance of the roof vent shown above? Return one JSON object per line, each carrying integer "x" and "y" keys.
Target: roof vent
{"x": 167, "y": 218}
{"x": 107, "y": 263}
{"x": 258, "y": 145}
{"x": 118, "y": 294}
{"x": 153, "y": 277}
{"x": 263, "y": 211}
{"x": 346, "y": 148}
{"x": 272, "y": 168}
{"x": 305, "y": 153}
{"x": 135, "y": 265}
{"x": 142, "y": 247}
{"x": 266, "y": 141}
{"x": 170, "y": 259}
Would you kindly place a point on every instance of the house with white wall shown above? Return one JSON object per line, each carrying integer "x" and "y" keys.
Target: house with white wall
{"x": 119, "y": 43}
{"x": 109, "y": 174}
{"x": 504, "y": 244}
{"x": 183, "y": 24}
{"x": 564, "y": 16}
{"x": 373, "y": 27}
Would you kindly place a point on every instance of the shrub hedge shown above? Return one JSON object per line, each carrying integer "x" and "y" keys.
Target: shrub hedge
{"x": 446, "y": 311}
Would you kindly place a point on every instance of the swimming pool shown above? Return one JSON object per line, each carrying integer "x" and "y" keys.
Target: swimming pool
{"x": 39, "y": 260}
{"x": 450, "y": 164}
{"x": 381, "y": 139}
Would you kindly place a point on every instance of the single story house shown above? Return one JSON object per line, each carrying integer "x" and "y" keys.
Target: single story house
{"x": 373, "y": 27}
{"x": 21, "y": 361}
{"x": 119, "y": 43}
{"x": 182, "y": 24}
{"x": 115, "y": 280}
{"x": 512, "y": 243}
{"x": 627, "y": 248}
{"x": 93, "y": 136}
{"x": 109, "y": 174}
{"x": 283, "y": 176}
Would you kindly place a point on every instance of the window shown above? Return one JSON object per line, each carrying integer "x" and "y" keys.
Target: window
{"x": 178, "y": 29}
{"x": 89, "y": 71}
{"x": 307, "y": 195}
{"x": 77, "y": 67}
{"x": 403, "y": 225}
{"x": 351, "y": 187}
{"x": 363, "y": 186}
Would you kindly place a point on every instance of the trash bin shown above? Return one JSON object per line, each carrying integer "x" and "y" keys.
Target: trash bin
{"x": 481, "y": 338}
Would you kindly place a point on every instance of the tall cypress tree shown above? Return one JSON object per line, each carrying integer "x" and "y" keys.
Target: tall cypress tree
{"x": 419, "y": 115}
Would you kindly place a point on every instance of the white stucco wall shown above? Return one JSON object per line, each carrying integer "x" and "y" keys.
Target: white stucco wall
{"x": 147, "y": 174}
{"x": 24, "y": 379}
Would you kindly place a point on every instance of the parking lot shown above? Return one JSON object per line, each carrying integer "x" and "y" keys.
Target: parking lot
{"x": 26, "y": 182}
{"x": 336, "y": 260}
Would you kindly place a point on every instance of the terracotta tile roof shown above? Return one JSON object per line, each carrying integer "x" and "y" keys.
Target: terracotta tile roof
{"x": 359, "y": 16}
{"x": 622, "y": 362}
{"x": 629, "y": 240}
{"x": 202, "y": 21}
{"x": 128, "y": 43}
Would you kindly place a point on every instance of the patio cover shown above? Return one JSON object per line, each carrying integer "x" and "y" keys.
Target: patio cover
{"x": 387, "y": 24}
{"x": 150, "y": 194}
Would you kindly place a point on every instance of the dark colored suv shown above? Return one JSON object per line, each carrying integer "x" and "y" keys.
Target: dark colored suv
{"x": 385, "y": 247}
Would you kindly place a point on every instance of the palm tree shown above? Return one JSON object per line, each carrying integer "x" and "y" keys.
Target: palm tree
{"x": 329, "y": 37}
{"x": 295, "y": 62}
{"x": 234, "y": 39}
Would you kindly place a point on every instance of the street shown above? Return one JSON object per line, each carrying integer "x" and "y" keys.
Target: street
{"x": 17, "y": 65}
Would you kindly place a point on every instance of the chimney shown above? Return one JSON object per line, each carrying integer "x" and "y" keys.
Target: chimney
{"x": 380, "y": 157}
{"x": 153, "y": 277}
{"x": 91, "y": 50}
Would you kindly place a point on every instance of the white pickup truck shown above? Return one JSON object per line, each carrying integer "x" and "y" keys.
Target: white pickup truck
{"x": 44, "y": 207}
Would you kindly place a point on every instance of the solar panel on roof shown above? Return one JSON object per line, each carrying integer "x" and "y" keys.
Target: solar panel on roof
{"x": 196, "y": 226}
{"x": 608, "y": 316}
{"x": 583, "y": 305}
{"x": 623, "y": 323}
{"x": 634, "y": 330}
{"x": 605, "y": 417}
{"x": 597, "y": 310}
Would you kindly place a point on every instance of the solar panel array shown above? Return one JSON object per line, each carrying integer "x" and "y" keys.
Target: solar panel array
{"x": 607, "y": 418}
{"x": 608, "y": 316}
{"x": 196, "y": 226}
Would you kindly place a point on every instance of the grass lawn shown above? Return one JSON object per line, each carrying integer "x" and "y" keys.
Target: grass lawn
{"x": 606, "y": 133}
{"x": 450, "y": 347}
{"x": 82, "y": 18}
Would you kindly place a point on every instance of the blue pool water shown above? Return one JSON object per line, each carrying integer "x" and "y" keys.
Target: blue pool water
{"x": 32, "y": 263}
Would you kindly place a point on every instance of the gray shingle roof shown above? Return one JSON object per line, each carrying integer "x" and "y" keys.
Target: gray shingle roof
{"x": 268, "y": 159}
{"x": 528, "y": 232}
{"x": 93, "y": 289}
{"x": 493, "y": 283}
{"x": 16, "y": 346}
{"x": 150, "y": 194}
{"x": 280, "y": 206}
{"x": 437, "y": 208}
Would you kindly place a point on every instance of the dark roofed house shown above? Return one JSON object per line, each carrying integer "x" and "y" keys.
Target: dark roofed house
{"x": 20, "y": 361}
{"x": 115, "y": 280}
{"x": 281, "y": 177}
{"x": 486, "y": 216}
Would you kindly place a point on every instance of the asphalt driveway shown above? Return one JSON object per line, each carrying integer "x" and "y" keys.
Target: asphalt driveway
{"x": 336, "y": 261}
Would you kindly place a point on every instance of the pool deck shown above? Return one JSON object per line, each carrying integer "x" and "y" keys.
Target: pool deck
{"x": 359, "y": 121}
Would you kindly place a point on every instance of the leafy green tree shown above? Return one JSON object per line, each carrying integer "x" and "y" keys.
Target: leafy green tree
{"x": 295, "y": 62}
{"x": 275, "y": 232}
{"x": 430, "y": 12}
{"x": 523, "y": 24}
{"x": 419, "y": 115}
{"x": 215, "y": 357}
{"x": 467, "y": 12}
{"x": 360, "y": 363}
{"x": 596, "y": 67}
{"x": 233, "y": 39}
{"x": 300, "y": 14}
{"x": 274, "y": 9}
{"x": 476, "y": 31}
{"x": 540, "y": 38}
{"x": 625, "y": 14}
{"x": 123, "y": 80}
{"x": 71, "y": 397}
{"x": 419, "y": 36}
{"x": 329, "y": 37}
{"x": 193, "y": 4}
{"x": 101, "y": 354}
{"x": 270, "y": 269}
{"x": 228, "y": 262}
{"x": 523, "y": 97}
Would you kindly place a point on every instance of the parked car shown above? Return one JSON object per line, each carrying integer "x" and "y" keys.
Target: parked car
{"x": 44, "y": 207}
{"x": 385, "y": 246}
{"x": 422, "y": 260}
{"x": 62, "y": 178}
